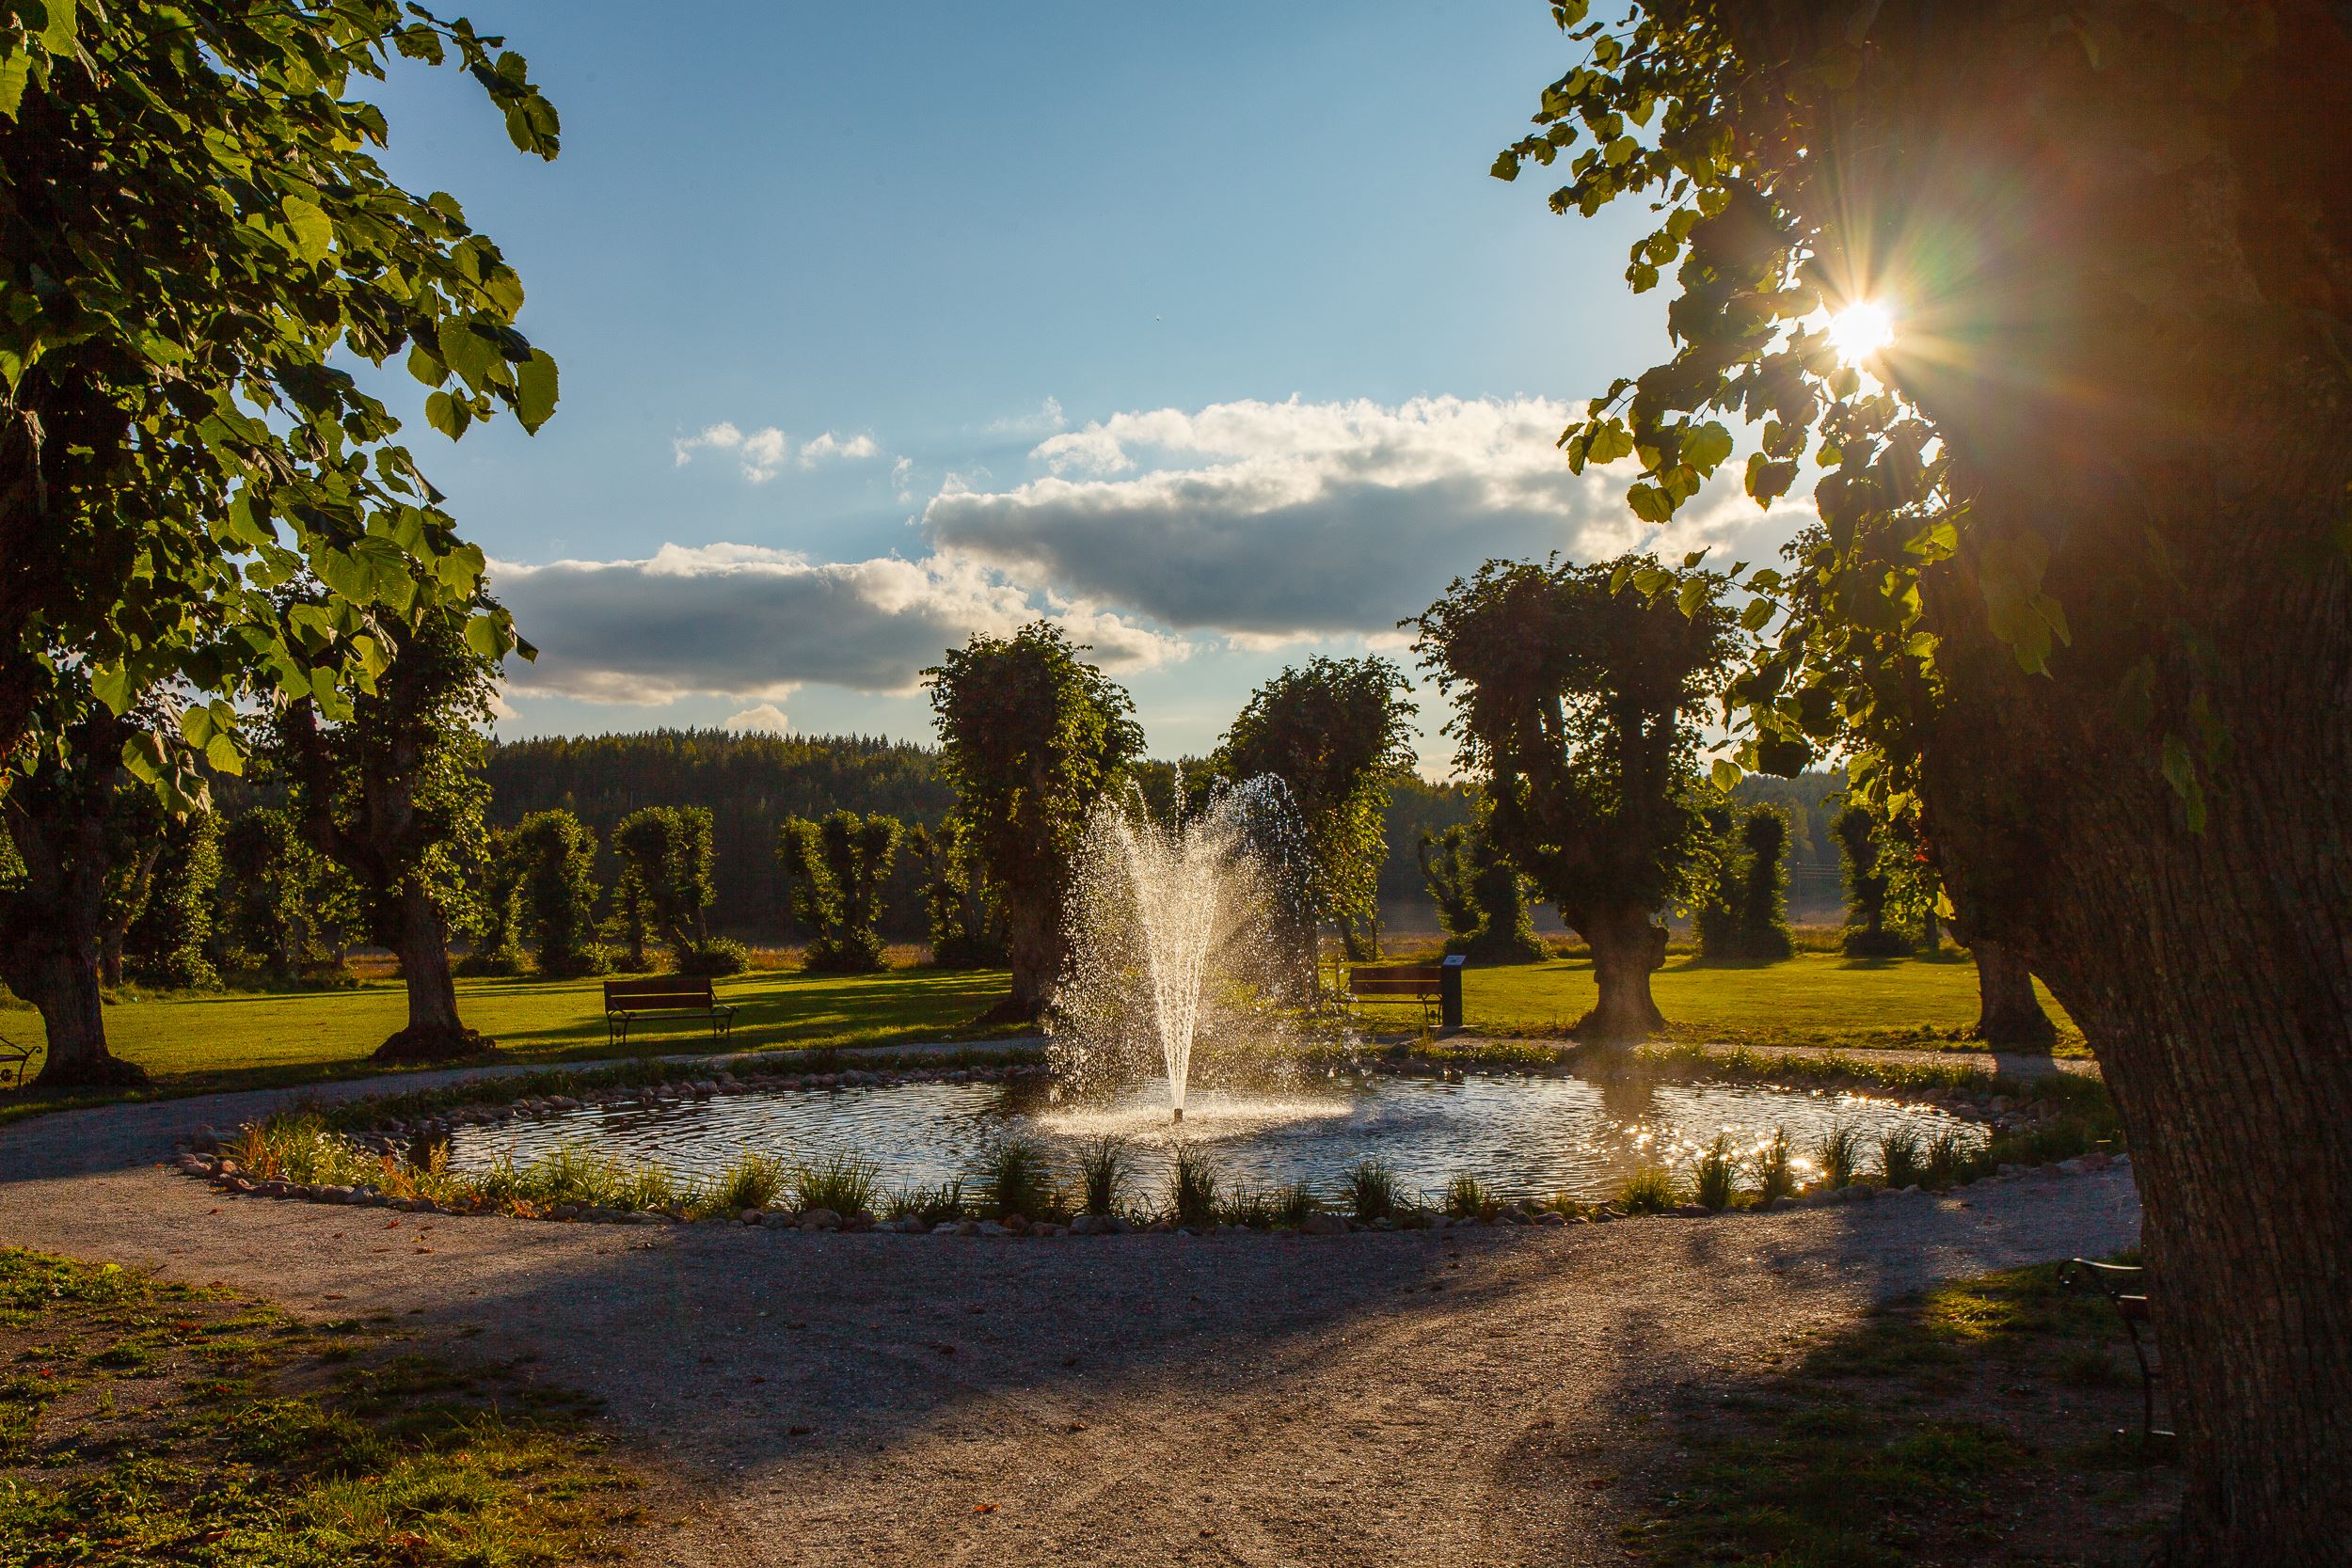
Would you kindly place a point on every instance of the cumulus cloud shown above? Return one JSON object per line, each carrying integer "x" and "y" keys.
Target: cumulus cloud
{"x": 762, "y": 452}
{"x": 1278, "y": 520}
{"x": 764, "y": 717}
{"x": 1044, "y": 418}
{"x": 739, "y": 620}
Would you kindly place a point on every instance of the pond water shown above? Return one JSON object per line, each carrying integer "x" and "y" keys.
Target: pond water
{"x": 1522, "y": 1136}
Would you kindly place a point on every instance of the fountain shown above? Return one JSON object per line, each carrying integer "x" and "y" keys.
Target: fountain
{"x": 1187, "y": 939}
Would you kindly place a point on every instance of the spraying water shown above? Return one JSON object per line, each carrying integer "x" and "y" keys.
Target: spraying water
{"x": 1189, "y": 941}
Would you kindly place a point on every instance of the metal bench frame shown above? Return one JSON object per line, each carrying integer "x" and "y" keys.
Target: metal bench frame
{"x": 2124, "y": 1286}
{"x": 14, "y": 1059}
{"x": 625, "y": 1001}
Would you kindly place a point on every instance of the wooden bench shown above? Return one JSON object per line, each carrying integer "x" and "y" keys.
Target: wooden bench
{"x": 2125, "y": 1286}
{"x": 1436, "y": 989}
{"x": 14, "y": 1059}
{"x": 627, "y": 1000}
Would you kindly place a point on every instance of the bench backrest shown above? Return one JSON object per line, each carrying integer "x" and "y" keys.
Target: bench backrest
{"x": 661, "y": 991}
{"x": 1427, "y": 975}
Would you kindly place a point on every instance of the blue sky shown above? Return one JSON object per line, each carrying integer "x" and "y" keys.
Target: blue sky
{"x": 1200, "y": 328}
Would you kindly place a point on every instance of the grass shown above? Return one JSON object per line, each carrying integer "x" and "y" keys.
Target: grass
{"x": 1838, "y": 1156}
{"x": 143, "y": 1421}
{"x": 1820, "y": 1001}
{"x": 1990, "y": 1421}
{"x": 1372, "y": 1191}
{"x": 1018, "y": 1179}
{"x": 932, "y": 1205}
{"x": 1192, "y": 1188}
{"x": 843, "y": 1183}
{"x": 1102, "y": 1172}
{"x": 1776, "y": 1169}
{"x": 199, "y": 1043}
{"x": 1715, "y": 1176}
{"x": 1649, "y": 1189}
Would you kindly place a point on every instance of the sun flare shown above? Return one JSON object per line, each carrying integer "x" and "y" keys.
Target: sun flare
{"x": 1861, "y": 330}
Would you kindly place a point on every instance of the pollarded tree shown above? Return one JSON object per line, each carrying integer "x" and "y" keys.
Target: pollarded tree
{"x": 1031, "y": 735}
{"x": 555, "y": 865}
{"x": 1862, "y": 849}
{"x": 666, "y": 868}
{"x": 1764, "y": 932}
{"x": 1717, "y": 877}
{"x": 966, "y": 919}
{"x": 2081, "y": 587}
{"x": 284, "y": 909}
{"x": 497, "y": 927}
{"x": 1481, "y": 897}
{"x": 1336, "y": 732}
{"x": 839, "y": 868}
{"x": 391, "y": 790}
{"x": 1578, "y": 689}
{"x": 172, "y": 940}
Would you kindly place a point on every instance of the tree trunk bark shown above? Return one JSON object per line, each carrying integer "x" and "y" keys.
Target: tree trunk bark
{"x": 2011, "y": 1015}
{"x": 434, "y": 1033}
{"x": 1628, "y": 944}
{"x": 1034, "y": 946}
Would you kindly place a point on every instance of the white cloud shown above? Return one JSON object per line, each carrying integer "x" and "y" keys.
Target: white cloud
{"x": 1044, "y": 419}
{"x": 849, "y": 448}
{"x": 741, "y": 620}
{"x": 764, "y": 716}
{"x": 761, "y": 452}
{"x": 1275, "y": 521}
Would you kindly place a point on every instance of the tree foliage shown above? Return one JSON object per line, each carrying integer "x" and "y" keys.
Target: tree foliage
{"x": 1031, "y": 736}
{"x": 1336, "y": 732}
{"x": 837, "y": 867}
{"x": 198, "y": 241}
{"x": 172, "y": 941}
{"x": 1764, "y": 932}
{"x": 285, "y": 911}
{"x": 966, "y": 918}
{"x": 1481, "y": 896}
{"x": 555, "y": 877}
{"x": 1578, "y": 689}
{"x": 668, "y": 883}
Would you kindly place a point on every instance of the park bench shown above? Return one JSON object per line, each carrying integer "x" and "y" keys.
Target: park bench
{"x": 14, "y": 1059}
{"x": 627, "y": 1000}
{"x": 1436, "y": 989}
{"x": 2124, "y": 1286}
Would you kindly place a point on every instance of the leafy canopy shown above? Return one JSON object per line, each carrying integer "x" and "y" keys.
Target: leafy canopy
{"x": 197, "y": 238}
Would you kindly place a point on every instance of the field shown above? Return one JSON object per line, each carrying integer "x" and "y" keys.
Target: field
{"x": 197, "y": 1043}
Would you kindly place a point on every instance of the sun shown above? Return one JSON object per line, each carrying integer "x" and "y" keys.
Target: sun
{"x": 1861, "y": 330}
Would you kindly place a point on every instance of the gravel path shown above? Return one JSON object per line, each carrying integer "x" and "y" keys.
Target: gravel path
{"x": 1418, "y": 1398}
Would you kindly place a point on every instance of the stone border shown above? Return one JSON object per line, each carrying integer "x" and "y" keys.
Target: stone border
{"x": 202, "y": 1157}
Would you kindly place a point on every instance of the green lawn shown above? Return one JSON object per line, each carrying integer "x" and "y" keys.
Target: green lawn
{"x": 192, "y": 1044}
{"x": 1814, "y": 999}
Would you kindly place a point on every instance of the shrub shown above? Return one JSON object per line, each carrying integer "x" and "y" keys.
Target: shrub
{"x": 1102, "y": 1172}
{"x": 1465, "y": 1199}
{"x": 1649, "y": 1189}
{"x": 1016, "y": 1179}
{"x": 715, "y": 957}
{"x": 1902, "y": 1158}
{"x": 1192, "y": 1187}
{"x": 1775, "y": 1168}
{"x": 1839, "y": 1153}
{"x": 1712, "y": 1180}
{"x": 754, "y": 1180}
{"x": 1372, "y": 1191}
{"x": 841, "y": 1182}
{"x": 932, "y": 1205}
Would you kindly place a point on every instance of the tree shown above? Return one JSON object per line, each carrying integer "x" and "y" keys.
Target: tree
{"x": 1031, "y": 735}
{"x": 172, "y": 940}
{"x": 393, "y": 794}
{"x": 196, "y": 239}
{"x": 837, "y": 868}
{"x": 1577, "y": 687}
{"x": 1336, "y": 733}
{"x": 667, "y": 859}
{"x": 60, "y": 815}
{"x": 1864, "y": 852}
{"x": 1481, "y": 897}
{"x": 497, "y": 927}
{"x": 284, "y": 909}
{"x": 1764, "y": 886}
{"x": 2080, "y": 588}
{"x": 555, "y": 860}
{"x": 135, "y": 820}
{"x": 967, "y": 917}
{"x": 1717, "y": 885}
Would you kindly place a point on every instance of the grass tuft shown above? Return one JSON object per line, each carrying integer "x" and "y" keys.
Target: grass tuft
{"x": 1372, "y": 1191}
{"x": 1839, "y": 1154}
{"x": 1103, "y": 1173}
{"x": 1192, "y": 1188}
{"x": 1902, "y": 1158}
{"x": 1775, "y": 1168}
{"x": 1649, "y": 1189}
{"x": 1017, "y": 1181}
{"x": 841, "y": 1182}
{"x": 1713, "y": 1180}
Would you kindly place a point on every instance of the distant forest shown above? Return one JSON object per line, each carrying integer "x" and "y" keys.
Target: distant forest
{"x": 752, "y": 783}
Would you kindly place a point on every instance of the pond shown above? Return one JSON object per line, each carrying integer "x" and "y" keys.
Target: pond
{"x": 1523, "y": 1137}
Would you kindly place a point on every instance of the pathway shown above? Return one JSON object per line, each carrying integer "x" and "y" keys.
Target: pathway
{"x": 1455, "y": 1398}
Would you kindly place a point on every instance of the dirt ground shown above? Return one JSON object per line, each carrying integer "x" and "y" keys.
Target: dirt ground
{"x": 1460, "y": 1396}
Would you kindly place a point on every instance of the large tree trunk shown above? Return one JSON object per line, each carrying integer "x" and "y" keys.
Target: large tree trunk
{"x": 1628, "y": 945}
{"x": 2010, "y": 1015}
{"x": 1033, "y": 943}
{"x": 434, "y": 1034}
{"x": 50, "y": 922}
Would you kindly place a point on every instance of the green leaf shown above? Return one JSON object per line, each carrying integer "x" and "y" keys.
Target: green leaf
{"x": 447, "y": 415}
{"x": 111, "y": 684}
{"x": 314, "y": 230}
{"x": 485, "y": 636}
{"x": 16, "y": 68}
{"x": 536, "y": 390}
{"x": 1707, "y": 447}
{"x": 1649, "y": 504}
{"x": 1757, "y": 614}
{"x": 1725, "y": 773}
{"x": 64, "y": 22}
{"x": 221, "y": 753}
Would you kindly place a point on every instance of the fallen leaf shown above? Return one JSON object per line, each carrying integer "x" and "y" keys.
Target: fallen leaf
{"x": 983, "y": 1508}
